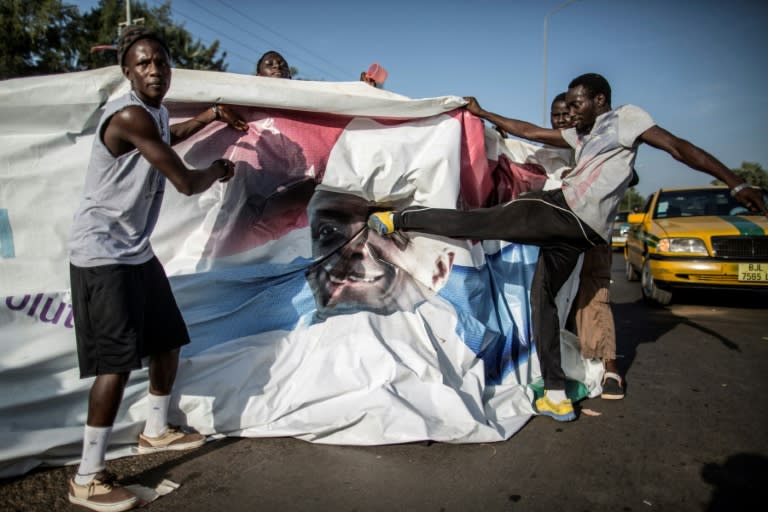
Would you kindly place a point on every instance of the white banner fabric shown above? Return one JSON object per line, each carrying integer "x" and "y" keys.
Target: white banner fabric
{"x": 303, "y": 323}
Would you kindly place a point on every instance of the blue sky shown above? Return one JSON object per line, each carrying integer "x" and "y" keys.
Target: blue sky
{"x": 698, "y": 67}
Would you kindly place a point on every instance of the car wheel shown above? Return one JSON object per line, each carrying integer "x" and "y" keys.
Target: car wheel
{"x": 629, "y": 271}
{"x": 651, "y": 292}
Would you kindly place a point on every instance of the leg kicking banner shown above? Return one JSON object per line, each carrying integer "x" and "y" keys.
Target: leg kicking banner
{"x": 303, "y": 322}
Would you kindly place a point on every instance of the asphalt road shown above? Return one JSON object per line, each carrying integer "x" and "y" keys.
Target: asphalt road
{"x": 692, "y": 434}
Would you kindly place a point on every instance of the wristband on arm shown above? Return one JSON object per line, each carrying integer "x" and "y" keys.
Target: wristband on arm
{"x": 738, "y": 188}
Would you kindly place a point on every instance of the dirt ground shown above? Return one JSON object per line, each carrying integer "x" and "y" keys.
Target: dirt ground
{"x": 45, "y": 489}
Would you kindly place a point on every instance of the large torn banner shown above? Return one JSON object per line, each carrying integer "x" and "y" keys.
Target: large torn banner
{"x": 303, "y": 322}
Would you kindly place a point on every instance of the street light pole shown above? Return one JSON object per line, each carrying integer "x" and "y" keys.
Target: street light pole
{"x": 128, "y": 21}
{"x": 544, "y": 109}
{"x": 120, "y": 26}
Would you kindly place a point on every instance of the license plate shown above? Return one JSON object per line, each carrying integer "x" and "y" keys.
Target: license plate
{"x": 753, "y": 272}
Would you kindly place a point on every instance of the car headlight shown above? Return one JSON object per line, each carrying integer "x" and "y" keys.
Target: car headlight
{"x": 683, "y": 245}
{"x": 624, "y": 230}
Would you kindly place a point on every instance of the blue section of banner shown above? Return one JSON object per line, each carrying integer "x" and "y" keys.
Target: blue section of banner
{"x": 493, "y": 308}
{"x": 491, "y": 304}
{"x": 6, "y": 236}
{"x": 228, "y": 304}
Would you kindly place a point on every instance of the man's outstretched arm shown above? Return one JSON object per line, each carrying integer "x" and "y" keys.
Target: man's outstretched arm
{"x": 696, "y": 158}
{"x": 185, "y": 129}
{"x": 516, "y": 127}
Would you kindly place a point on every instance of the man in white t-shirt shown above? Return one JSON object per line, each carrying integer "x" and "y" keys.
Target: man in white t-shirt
{"x": 565, "y": 222}
{"x": 591, "y": 307}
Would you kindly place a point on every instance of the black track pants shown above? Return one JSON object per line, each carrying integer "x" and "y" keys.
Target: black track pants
{"x": 539, "y": 218}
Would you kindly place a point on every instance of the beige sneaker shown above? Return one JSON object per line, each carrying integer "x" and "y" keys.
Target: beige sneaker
{"x": 103, "y": 494}
{"x": 173, "y": 439}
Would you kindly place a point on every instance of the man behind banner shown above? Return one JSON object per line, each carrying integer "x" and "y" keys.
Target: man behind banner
{"x": 591, "y": 307}
{"x": 566, "y": 222}
{"x": 123, "y": 305}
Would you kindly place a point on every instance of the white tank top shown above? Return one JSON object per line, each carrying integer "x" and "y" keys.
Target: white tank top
{"x": 121, "y": 199}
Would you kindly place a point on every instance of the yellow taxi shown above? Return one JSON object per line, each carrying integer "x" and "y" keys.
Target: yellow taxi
{"x": 696, "y": 237}
{"x": 620, "y": 230}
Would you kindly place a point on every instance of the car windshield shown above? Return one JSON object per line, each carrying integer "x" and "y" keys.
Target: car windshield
{"x": 696, "y": 203}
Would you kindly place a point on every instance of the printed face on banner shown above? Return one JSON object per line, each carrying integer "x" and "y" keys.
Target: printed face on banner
{"x": 356, "y": 268}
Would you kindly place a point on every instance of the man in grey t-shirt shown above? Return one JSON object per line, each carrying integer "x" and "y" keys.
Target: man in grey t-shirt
{"x": 565, "y": 222}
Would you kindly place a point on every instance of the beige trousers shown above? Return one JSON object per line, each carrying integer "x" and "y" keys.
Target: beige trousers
{"x": 593, "y": 316}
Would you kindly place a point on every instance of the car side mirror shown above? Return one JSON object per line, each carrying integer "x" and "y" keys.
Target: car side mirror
{"x": 635, "y": 218}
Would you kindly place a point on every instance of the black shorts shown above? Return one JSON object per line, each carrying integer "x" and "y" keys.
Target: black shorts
{"x": 122, "y": 314}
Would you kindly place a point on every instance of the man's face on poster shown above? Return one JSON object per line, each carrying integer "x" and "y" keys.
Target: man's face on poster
{"x": 360, "y": 270}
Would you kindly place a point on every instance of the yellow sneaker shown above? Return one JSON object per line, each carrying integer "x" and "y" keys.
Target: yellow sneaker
{"x": 382, "y": 223}
{"x": 561, "y": 411}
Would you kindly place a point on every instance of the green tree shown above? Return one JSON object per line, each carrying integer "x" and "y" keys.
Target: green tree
{"x": 631, "y": 200}
{"x": 751, "y": 172}
{"x": 37, "y": 37}
{"x": 188, "y": 53}
{"x": 100, "y": 26}
{"x": 49, "y": 36}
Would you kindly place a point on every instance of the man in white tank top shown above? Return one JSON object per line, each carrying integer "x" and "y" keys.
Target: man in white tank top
{"x": 123, "y": 305}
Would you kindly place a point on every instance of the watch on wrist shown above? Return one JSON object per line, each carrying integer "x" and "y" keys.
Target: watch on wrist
{"x": 738, "y": 188}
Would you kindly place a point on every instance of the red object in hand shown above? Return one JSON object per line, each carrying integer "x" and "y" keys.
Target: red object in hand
{"x": 377, "y": 73}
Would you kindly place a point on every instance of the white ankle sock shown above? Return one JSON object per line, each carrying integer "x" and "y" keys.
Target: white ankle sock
{"x": 95, "y": 440}
{"x": 157, "y": 417}
{"x": 556, "y": 395}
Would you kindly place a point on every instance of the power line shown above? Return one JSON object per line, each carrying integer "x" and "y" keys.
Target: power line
{"x": 298, "y": 45}
{"x": 230, "y": 38}
{"x": 161, "y": 3}
{"x": 250, "y": 58}
{"x": 202, "y": 8}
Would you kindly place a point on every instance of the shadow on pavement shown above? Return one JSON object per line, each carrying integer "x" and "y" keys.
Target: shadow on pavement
{"x": 152, "y": 476}
{"x": 738, "y": 482}
{"x": 656, "y": 322}
{"x": 745, "y": 299}
{"x": 639, "y": 322}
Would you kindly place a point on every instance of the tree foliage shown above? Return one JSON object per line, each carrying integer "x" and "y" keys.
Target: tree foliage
{"x": 751, "y": 172}
{"x": 50, "y": 36}
{"x": 631, "y": 201}
{"x": 187, "y": 52}
{"x": 37, "y": 37}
